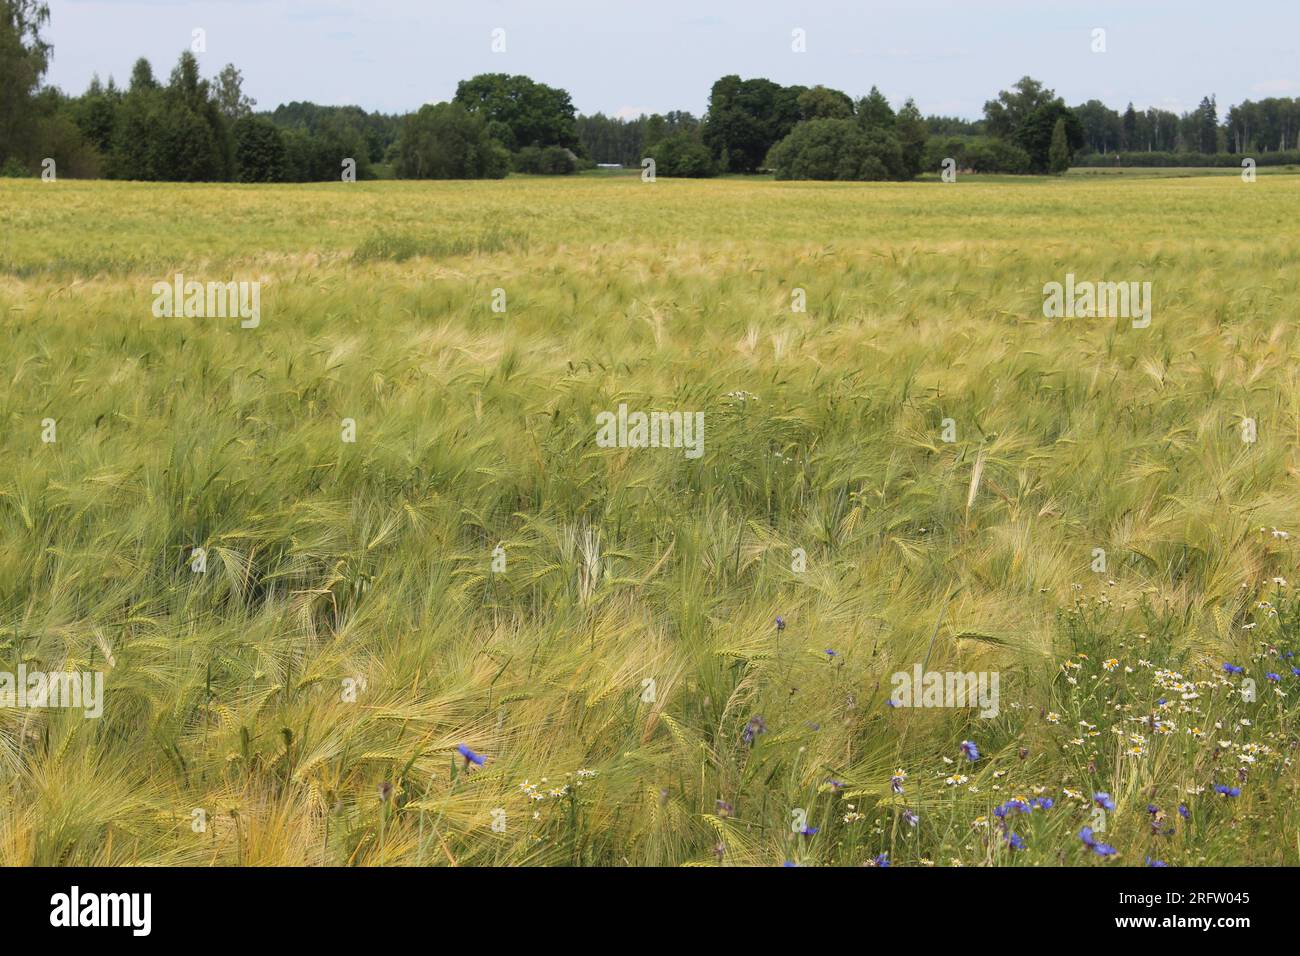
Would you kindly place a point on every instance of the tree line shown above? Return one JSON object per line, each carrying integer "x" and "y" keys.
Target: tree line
{"x": 188, "y": 128}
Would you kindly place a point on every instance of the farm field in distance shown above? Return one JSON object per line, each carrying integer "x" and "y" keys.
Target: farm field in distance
{"x": 659, "y": 659}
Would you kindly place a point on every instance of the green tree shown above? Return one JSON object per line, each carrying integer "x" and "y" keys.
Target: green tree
{"x": 1005, "y": 115}
{"x": 229, "y": 94}
{"x": 746, "y": 118}
{"x": 821, "y": 102}
{"x": 1059, "y": 152}
{"x": 912, "y": 137}
{"x": 24, "y": 58}
{"x": 1103, "y": 129}
{"x": 1207, "y": 126}
{"x": 447, "y": 141}
{"x": 874, "y": 111}
{"x": 1129, "y": 128}
{"x": 683, "y": 154}
{"x": 838, "y": 149}
{"x": 1034, "y": 134}
{"x": 519, "y": 111}
{"x": 142, "y": 77}
{"x": 96, "y": 114}
{"x": 260, "y": 152}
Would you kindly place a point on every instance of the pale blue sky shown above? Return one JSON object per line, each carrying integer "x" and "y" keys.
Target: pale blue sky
{"x": 658, "y": 55}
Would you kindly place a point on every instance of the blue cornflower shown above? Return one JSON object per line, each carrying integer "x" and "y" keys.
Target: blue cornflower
{"x": 808, "y": 831}
{"x": 780, "y": 623}
{"x": 830, "y": 653}
{"x": 1184, "y": 812}
{"x": 1151, "y": 862}
{"x": 1103, "y": 800}
{"x": 1043, "y": 803}
{"x": 969, "y": 750}
{"x": 880, "y": 859}
{"x": 1296, "y": 671}
{"x": 910, "y": 818}
{"x": 1273, "y": 677}
{"x": 752, "y": 729}
{"x": 470, "y": 756}
{"x": 1101, "y": 849}
{"x": 1006, "y": 808}
{"x": 1227, "y": 791}
{"x": 1232, "y": 668}
{"x": 1015, "y": 841}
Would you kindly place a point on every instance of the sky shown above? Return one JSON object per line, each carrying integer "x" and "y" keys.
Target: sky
{"x": 626, "y": 58}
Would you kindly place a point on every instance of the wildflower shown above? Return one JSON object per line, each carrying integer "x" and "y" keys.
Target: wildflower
{"x": 1273, "y": 677}
{"x": 753, "y": 729}
{"x": 1232, "y": 668}
{"x": 1053, "y": 717}
{"x": 1015, "y": 841}
{"x": 830, "y": 653}
{"x": 1101, "y": 849}
{"x": 880, "y": 859}
{"x": 385, "y": 791}
{"x": 1151, "y": 862}
{"x": 970, "y": 751}
{"x": 724, "y": 808}
{"x": 1227, "y": 791}
{"x": 1111, "y": 664}
{"x": 1103, "y": 800}
{"x": 1184, "y": 812}
{"x": 808, "y": 831}
{"x": 470, "y": 756}
{"x": 780, "y": 623}
{"x": 896, "y": 781}
{"x": 956, "y": 780}
{"x": 910, "y": 818}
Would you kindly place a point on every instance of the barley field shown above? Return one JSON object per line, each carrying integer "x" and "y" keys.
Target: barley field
{"x": 473, "y": 636}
